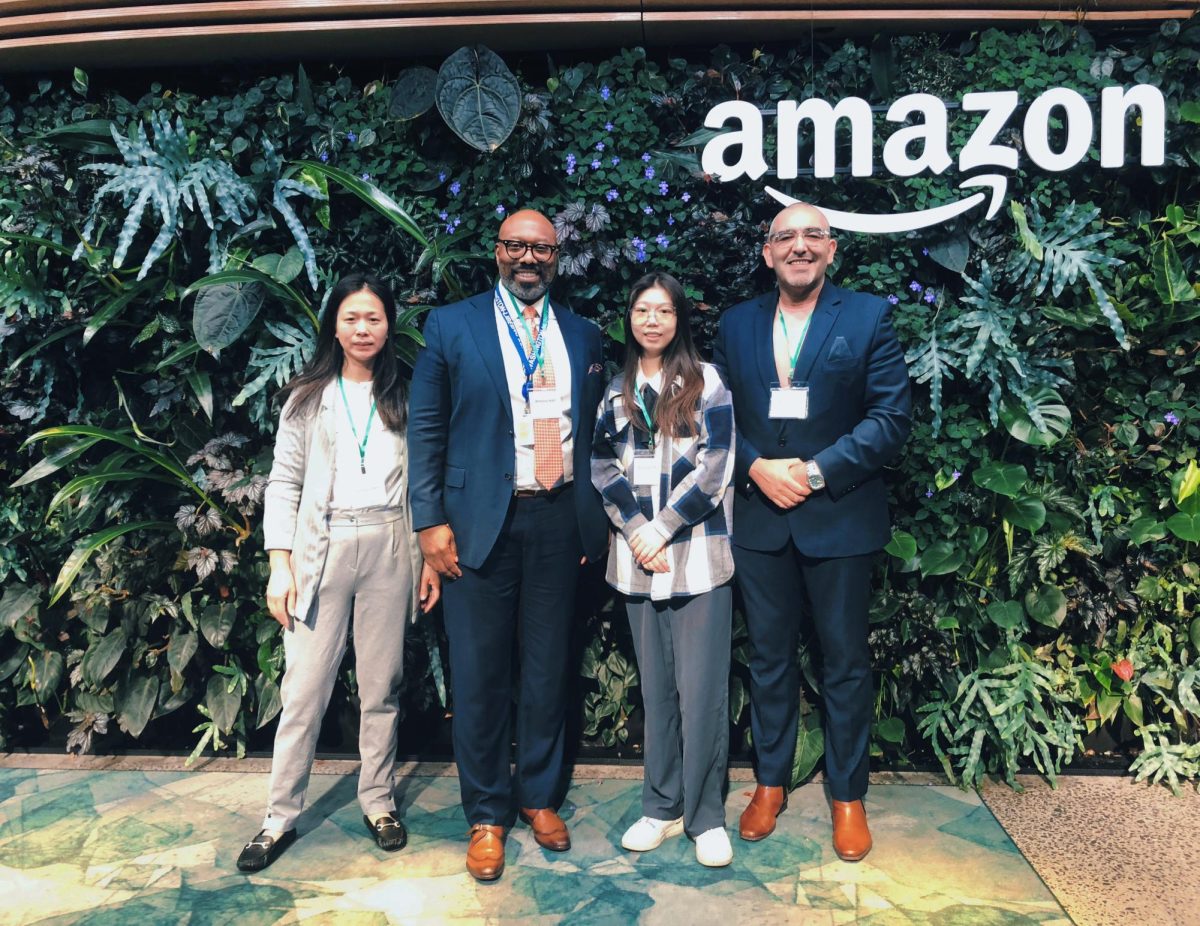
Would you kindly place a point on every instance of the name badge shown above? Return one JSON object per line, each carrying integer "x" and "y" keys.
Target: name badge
{"x": 789, "y": 403}
{"x": 645, "y": 468}
{"x": 544, "y": 403}
{"x": 524, "y": 431}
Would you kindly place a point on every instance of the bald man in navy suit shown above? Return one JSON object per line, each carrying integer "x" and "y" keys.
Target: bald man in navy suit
{"x": 821, "y": 398}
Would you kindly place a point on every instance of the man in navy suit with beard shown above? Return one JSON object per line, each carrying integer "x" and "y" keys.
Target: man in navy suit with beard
{"x": 821, "y": 400}
{"x": 503, "y": 405}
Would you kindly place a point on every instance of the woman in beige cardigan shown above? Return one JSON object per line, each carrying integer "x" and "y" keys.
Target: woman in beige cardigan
{"x": 337, "y": 530}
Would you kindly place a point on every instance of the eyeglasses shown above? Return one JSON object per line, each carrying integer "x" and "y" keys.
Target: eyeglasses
{"x": 788, "y": 235}
{"x": 642, "y": 312}
{"x": 516, "y": 249}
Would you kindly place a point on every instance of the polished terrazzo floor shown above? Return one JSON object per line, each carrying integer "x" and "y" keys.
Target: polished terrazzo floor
{"x": 91, "y": 846}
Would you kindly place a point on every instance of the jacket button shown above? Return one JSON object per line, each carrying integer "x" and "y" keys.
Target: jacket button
{"x": 508, "y": 477}
{"x": 782, "y": 442}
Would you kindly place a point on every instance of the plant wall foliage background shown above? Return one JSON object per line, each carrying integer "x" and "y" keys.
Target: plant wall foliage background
{"x": 165, "y": 251}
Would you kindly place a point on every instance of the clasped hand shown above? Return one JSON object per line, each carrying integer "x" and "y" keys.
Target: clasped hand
{"x": 649, "y": 549}
{"x": 784, "y": 482}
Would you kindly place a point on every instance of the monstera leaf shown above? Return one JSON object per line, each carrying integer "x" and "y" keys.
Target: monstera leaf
{"x": 1019, "y": 418}
{"x": 478, "y": 97}
{"x": 413, "y": 93}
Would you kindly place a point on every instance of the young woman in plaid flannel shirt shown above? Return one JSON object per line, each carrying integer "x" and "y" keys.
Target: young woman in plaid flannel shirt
{"x": 662, "y": 460}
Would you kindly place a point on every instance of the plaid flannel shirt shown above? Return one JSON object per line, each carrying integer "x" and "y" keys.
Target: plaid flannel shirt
{"x": 690, "y": 504}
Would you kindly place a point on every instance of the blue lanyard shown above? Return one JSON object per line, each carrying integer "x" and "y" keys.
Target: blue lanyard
{"x": 645, "y": 412}
{"x": 528, "y": 364}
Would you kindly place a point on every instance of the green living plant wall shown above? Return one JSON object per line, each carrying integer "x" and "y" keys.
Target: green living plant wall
{"x": 165, "y": 253}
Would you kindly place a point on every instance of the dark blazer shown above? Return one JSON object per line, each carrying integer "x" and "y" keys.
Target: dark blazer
{"x": 859, "y": 416}
{"x": 461, "y": 451}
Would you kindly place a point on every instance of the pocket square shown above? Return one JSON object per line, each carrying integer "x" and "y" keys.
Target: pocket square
{"x": 840, "y": 350}
{"x": 596, "y": 368}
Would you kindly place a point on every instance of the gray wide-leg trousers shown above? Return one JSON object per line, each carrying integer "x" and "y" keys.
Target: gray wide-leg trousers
{"x": 682, "y": 647}
{"x": 367, "y": 571}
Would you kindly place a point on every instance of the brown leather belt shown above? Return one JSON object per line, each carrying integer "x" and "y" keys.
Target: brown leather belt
{"x": 542, "y": 493}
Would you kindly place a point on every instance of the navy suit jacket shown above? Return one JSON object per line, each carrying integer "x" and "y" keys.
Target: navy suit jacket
{"x": 461, "y": 450}
{"x": 859, "y": 415}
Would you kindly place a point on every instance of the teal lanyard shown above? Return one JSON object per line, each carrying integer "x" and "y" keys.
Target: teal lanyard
{"x": 799, "y": 344}
{"x": 637, "y": 393}
{"x": 360, "y": 444}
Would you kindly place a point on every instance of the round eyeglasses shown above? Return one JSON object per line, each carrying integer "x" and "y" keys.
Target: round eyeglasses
{"x": 810, "y": 235}
{"x": 516, "y": 249}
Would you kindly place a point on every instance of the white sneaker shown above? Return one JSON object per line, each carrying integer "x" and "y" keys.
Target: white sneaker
{"x": 713, "y": 848}
{"x": 649, "y": 833}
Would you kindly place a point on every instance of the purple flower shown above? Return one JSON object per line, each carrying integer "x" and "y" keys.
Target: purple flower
{"x": 457, "y": 221}
{"x": 596, "y": 164}
{"x": 1171, "y": 418}
{"x": 929, "y": 493}
{"x": 924, "y": 252}
{"x": 615, "y": 160}
{"x": 893, "y": 299}
{"x": 351, "y": 137}
{"x": 670, "y": 220}
{"x": 443, "y": 215}
{"x": 570, "y": 164}
{"x": 449, "y": 227}
{"x": 441, "y": 176}
{"x": 455, "y": 188}
{"x": 649, "y": 173}
{"x": 600, "y": 144}
{"x": 646, "y": 156}
{"x": 956, "y": 475}
{"x": 647, "y": 209}
{"x": 366, "y": 176}
{"x": 686, "y": 197}
{"x": 915, "y": 286}
{"x": 324, "y": 156}
{"x": 611, "y": 195}
{"x": 500, "y": 209}
{"x": 662, "y": 240}
{"x": 638, "y": 243}
{"x": 662, "y": 187}
{"x": 608, "y": 126}
{"x": 931, "y": 296}
{"x": 605, "y": 93}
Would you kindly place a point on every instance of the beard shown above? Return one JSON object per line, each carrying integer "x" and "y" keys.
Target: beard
{"x": 528, "y": 291}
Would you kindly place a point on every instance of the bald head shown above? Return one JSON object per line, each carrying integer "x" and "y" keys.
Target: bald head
{"x": 798, "y": 215}
{"x": 799, "y": 248}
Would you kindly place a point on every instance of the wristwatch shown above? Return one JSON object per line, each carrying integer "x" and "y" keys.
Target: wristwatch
{"x": 815, "y": 480}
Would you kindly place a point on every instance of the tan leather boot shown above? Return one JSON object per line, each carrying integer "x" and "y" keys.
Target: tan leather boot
{"x": 851, "y": 838}
{"x": 758, "y": 819}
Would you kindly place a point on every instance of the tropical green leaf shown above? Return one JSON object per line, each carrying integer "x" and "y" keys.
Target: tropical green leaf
{"x": 102, "y": 657}
{"x": 941, "y": 558}
{"x": 135, "y": 703}
{"x": 180, "y": 650}
{"x": 45, "y": 674}
{"x": 1047, "y": 605}
{"x": 903, "y": 545}
{"x": 1146, "y": 529}
{"x": 1002, "y": 478}
{"x": 201, "y": 385}
{"x": 223, "y": 705}
{"x": 269, "y": 702}
{"x": 1185, "y": 526}
{"x": 216, "y": 620}
{"x": 412, "y": 93}
{"x": 1044, "y": 403}
{"x": 1170, "y": 279}
{"x": 1007, "y": 614}
{"x": 810, "y": 746}
{"x": 95, "y": 479}
{"x": 1025, "y": 511}
{"x": 223, "y": 312}
{"x": 478, "y": 97}
{"x": 891, "y": 730}
{"x": 43, "y": 343}
{"x": 18, "y": 601}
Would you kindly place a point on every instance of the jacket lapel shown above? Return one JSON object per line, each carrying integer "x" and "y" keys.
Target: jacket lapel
{"x": 487, "y": 340}
{"x": 824, "y": 315}
{"x": 764, "y": 349}
{"x": 575, "y": 352}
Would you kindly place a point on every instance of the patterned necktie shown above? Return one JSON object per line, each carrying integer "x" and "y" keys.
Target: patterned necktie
{"x": 547, "y": 440}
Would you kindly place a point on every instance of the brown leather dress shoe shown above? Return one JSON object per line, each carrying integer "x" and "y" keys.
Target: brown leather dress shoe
{"x": 485, "y": 852}
{"x": 851, "y": 838}
{"x": 758, "y": 819}
{"x": 548, "y": 828}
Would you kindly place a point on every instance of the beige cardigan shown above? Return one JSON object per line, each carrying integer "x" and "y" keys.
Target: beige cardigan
{"x": 299, "y": 489}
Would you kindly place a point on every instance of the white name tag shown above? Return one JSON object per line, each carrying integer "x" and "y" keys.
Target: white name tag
{"x": 524, "y": 431}
{"x": 645, "y": 469}
{"x": 544, "y": 403}
{"x": 789, "y": 403}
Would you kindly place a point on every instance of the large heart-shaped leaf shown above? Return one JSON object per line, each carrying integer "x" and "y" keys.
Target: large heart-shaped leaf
{"x": 903, "y": 546}
{"x": 890, "y": 729}
{"x": 1047, "y": 605}
{"x": 1006, "y": 614}
{"x": 941, "y": 558}
{"x": 1001, "y": 478}
{"x": 103, "y": 657}
{"x": 216, "y": 620}
{"x": 269, "y": 701}
{"x": 180, "y": 650}
{"x": 224, "y": 311}
{"x": 1143, "y": 530}
{"x": 1027, "y": 512}
{"x": 810, "y": 746}
{"x": 412, "y": 93}
{"x": 18, "y": 601}
{"x": 478, "y": 97}
{"x": 1185, "y": 526}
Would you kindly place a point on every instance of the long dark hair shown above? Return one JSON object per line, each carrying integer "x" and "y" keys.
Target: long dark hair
{"x": 388, "y": 386}
{"x": 682, "y": 376}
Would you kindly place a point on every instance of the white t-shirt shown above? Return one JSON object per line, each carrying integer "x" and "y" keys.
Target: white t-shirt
{"x": 352, "y": 487}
